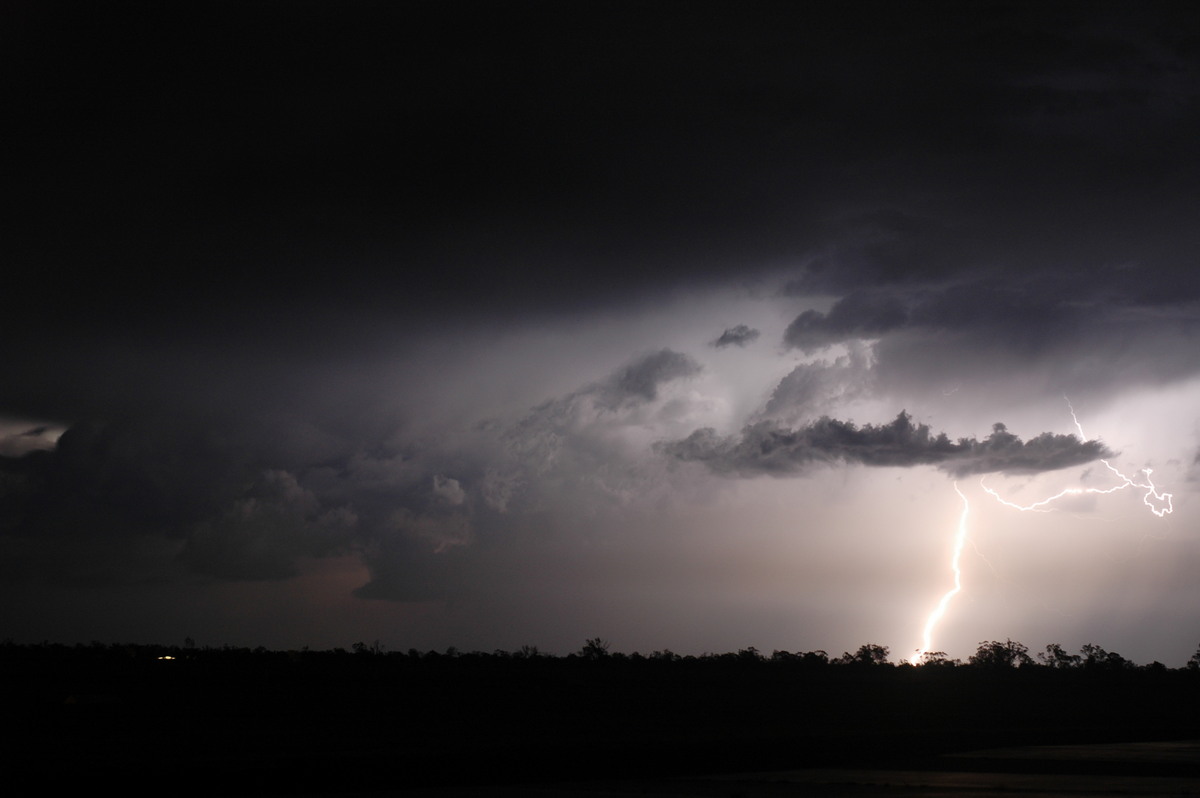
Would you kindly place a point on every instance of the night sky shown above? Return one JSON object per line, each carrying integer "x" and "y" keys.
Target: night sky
{"x": 674, "y": 323}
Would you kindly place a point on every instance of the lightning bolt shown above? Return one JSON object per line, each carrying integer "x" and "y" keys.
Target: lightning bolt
{"x": 1163, "y": 499}
{"x": 1126, "y": 481}
{"x": 1163, "y": 508}
{"x": 960, "y": 540}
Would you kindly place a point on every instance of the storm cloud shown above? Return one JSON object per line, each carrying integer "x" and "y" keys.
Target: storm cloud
{"x": 479, "y": 311}
{"x": 857, "y": 316}
{"x": 766, "y": 448}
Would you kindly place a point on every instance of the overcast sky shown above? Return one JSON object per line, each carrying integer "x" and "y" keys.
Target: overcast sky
{"x": 517, "y": 323}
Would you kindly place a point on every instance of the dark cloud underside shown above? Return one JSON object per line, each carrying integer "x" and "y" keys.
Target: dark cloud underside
{"x": 767, "y": 448}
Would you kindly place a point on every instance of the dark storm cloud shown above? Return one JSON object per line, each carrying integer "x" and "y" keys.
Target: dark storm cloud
{"x": 202, "y": 483}
{"x": 261, "y": 240}
{"x": 261, "y": 534}
{"x": 1028, "y": 313}
{"x": 527, "y": 156}
{"x": 244, "y": 496}
{"x": 891, "y": 247}
{"x": 131, "y": 476}
{"x": 860, "y": 315}
{"x": 1004, "y": 452}
{"x": 767, "y": 448}
{"x": 1074, "y": 332}
{"x": 739, "y": 335}
{"x": 561, "y": 460}
{"x": 1021, "y": 337}
{"x": 219, "y": 499}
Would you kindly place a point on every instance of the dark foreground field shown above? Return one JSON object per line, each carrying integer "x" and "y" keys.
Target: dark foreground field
{"x": 1137, "y": 769}
{"x": 334, "y": 723}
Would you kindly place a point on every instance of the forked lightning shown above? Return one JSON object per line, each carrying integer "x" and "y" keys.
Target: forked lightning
{"x": 1158, "y": 502}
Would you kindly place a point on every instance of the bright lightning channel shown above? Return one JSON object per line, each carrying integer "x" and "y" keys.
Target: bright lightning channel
{"x": 1163, "y": 499}
{"x": 960, "y": 540}
{"x": 1164, "y": 508}
{"x": 1126, "y": 482}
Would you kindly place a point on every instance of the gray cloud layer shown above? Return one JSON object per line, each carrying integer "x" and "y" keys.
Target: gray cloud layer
{"x": 815, "y": 389}
{"x": 640, "y": 380}
{"x": 766, "y": 448}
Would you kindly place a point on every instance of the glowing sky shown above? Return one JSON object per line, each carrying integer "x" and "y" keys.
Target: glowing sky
{"x": 509, "y": 324}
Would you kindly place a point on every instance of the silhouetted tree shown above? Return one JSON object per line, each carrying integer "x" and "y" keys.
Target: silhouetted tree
{"x": 818, "y": 657}
{"x": 867, "y": 654}
{"x": 750, "y": 654}
{"x": 807, "y": 658}
{"x": 1056, "y": 657}
{"x": 1093, "y": 655}
{"x": 938, "y": 659}
{"x": 994, "y": 654}
{"x": 1194, "y": 663}
{"x": 595, "y": 648}
{"x": 1097, "y": 658}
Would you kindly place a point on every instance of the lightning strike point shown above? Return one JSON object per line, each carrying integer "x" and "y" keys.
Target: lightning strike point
{"x": 960, "y": 539}
{"x": 1157, "y": 501}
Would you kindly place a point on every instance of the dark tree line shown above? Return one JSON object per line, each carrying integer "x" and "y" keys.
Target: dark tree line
{"x": 243, "y": 716}
{"x": 989, "y": 655}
